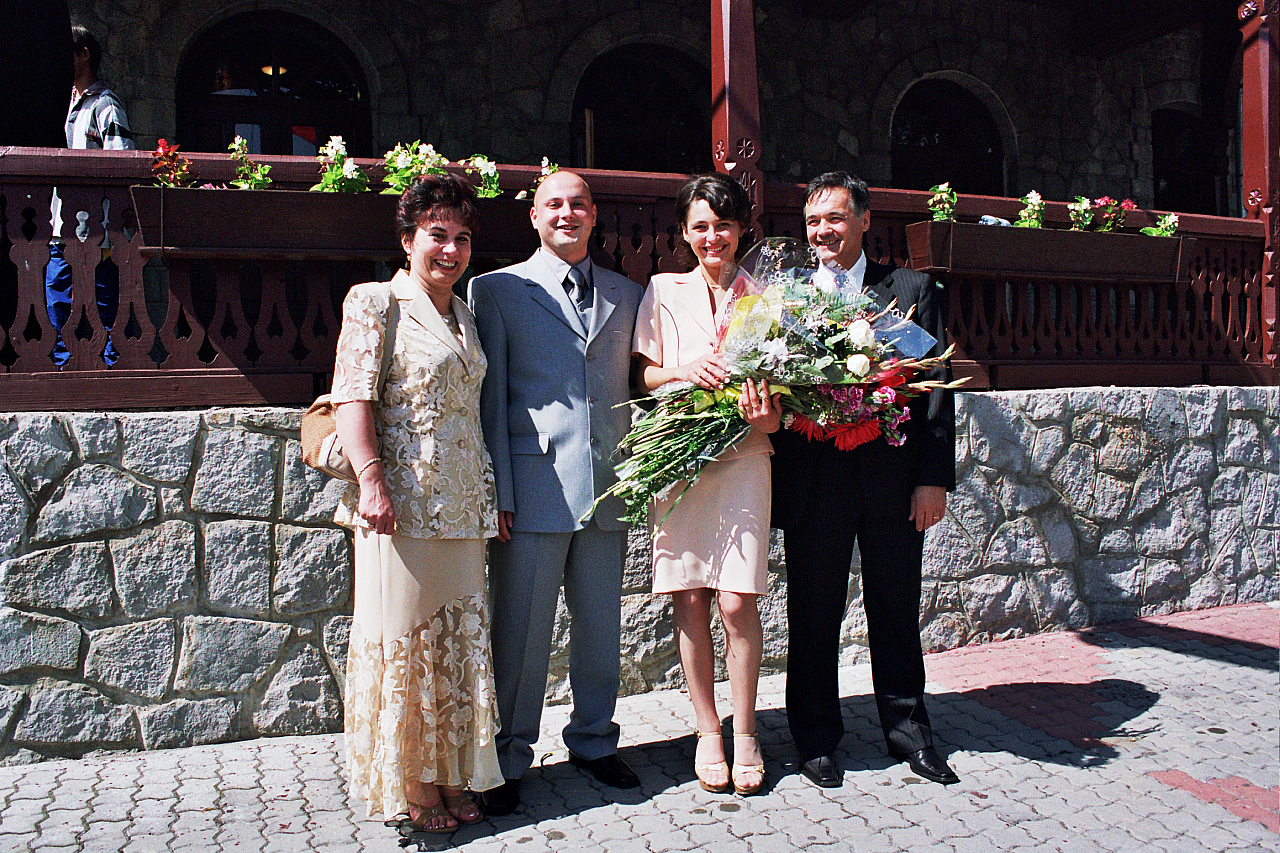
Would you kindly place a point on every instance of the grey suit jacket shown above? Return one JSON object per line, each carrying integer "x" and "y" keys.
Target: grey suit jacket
{"x": 550, "y": 401}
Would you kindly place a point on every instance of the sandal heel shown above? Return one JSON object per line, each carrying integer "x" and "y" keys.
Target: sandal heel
{"x": 743, "y": 769}
{"x": 722, "y": 766}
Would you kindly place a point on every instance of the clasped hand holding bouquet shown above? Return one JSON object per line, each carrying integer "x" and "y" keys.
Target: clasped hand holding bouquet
{"x": 845, "y": 363}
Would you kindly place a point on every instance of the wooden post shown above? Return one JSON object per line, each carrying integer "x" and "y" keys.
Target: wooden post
{"x": 735, "y": 98}
{"x": 1260, "y": 141}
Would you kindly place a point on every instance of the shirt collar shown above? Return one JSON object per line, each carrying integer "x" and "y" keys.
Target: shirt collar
{"x": 827, "y": 274}
{"x": 560, "y": 268}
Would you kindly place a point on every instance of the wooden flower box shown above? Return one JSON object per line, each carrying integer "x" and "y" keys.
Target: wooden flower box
{"x": 190, "y": 222}
{"x": 1046, "y": 254}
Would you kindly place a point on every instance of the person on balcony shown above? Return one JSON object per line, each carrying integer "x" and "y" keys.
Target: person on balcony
{"x": 421, "y": 709}
{"x": 95, "y": 120}
{"x": 714, "y": 543}
{"x": 879, "y": 497}
{"x": 557, "y": 330}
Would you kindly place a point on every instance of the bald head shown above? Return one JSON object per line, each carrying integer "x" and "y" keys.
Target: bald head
{"x": 563, "y": 215}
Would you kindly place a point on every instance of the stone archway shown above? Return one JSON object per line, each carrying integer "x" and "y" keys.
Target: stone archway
{"x": 905, "y": 75}
{"x": 181, "y": 23}
{"x": 688, "y": 36}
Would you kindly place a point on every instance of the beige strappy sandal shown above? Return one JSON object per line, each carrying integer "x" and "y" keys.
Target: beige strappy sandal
{"x": 743, "y": 769}
{"x": 722, "y": 766}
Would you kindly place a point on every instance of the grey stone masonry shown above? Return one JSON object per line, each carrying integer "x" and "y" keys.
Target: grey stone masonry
{"x": 174, "y": 579}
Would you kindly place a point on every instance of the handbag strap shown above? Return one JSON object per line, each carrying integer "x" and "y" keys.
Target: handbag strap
{"x": 391, "y": 320}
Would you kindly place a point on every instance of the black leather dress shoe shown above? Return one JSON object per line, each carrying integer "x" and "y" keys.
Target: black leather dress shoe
{"x": 822, "y": 771}
{"x": 501, "y": 800}
{"x": 609, "y": 770}
{"x": 928, "y": 764}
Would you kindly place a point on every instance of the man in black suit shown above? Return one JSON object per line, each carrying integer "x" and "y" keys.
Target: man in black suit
{"x": 881, "y": 497}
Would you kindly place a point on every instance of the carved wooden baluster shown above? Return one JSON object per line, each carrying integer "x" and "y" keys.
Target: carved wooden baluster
{"x": 230, "y": 332}
{"x": 274, "y": 330}
{"x": 125, "y": 240}
{"x": 1233, "y": 322}
{"x": 667, "y": 237}
{"x": 1163, "y": 341}
{"x": 1144, "y": 334}
{"x": 604, "y": 243}
{"x": 1089, "y": 321}
{"x": 635, "y": 238}
{"x": 182, "y": 334}
{"x": 1217, "y": 337}
{"x": 321, "y": 346}
{"x": 1197, "y": 311}
{"x": 1253, "y": 345}
{"x": 1108, "y": 328}
{"x": 32, "y": 335}
{"x": 1126, "y": 295}
{"x": 1068, "y": 326}
{"x": 83, "y": 235}
{"x": 1046, "y": 319}
{"x": 996, "y": 293}
{"x": 958, "y": 324}
{"x": 980, "y": 328}
{"x": 1022, "y": 327}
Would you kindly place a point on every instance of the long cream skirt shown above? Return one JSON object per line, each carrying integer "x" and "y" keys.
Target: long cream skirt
{"x": 420, "y": 702}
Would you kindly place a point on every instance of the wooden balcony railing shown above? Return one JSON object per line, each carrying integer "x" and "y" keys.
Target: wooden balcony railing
{"x": 232, "y": 326}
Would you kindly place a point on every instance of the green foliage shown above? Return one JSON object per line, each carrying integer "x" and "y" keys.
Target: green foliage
{"x": 249, "y": 175}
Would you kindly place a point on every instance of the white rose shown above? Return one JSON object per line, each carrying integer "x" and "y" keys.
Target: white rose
{"x": 860, "y": 334}
{"x": 858, "y": 365}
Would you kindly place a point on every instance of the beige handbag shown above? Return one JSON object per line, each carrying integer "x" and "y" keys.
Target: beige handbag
{"x": 321, "y": 447}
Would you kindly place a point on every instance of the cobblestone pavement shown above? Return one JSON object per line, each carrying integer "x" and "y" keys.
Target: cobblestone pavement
{"x": 1154, "y": 735}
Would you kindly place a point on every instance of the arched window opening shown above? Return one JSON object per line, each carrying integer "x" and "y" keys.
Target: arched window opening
{"x": 942, "y": 132}
{"x": 282, "y": 82}
{"x": 1181, "y": 164}
{"x": 644, "y": 108}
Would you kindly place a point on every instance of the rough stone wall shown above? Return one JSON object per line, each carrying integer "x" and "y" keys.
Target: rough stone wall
{"x": 172, "y": 578}
{"x": 499, "y": 77}
{"x": 169, "y": 579}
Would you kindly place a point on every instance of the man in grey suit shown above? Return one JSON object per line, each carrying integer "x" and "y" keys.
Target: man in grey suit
{"x": 557, "y": 332}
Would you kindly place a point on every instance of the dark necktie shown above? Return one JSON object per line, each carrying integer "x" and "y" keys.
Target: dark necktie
{"x": 575, "y": 284}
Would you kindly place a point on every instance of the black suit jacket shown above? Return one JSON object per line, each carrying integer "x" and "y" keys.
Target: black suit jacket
{"x": 805, "y": 481}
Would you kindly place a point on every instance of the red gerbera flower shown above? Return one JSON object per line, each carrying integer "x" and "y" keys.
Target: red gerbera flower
{"x": 849, "y": 436}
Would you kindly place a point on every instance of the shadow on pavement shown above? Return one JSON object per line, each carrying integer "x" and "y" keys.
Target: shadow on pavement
{"x": 1062, "y": 722}
{"x": 1183, "y": 641}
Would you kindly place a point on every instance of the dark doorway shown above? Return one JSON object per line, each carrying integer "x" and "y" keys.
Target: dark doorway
{"x": 644, "y": 108}
{"x": 942, "y": 132}
{"x": 282, "y": 82}
{"x": 1181, "y": 164}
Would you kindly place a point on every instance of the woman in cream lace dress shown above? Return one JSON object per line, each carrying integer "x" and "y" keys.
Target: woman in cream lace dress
{"x": 420, "y": 705}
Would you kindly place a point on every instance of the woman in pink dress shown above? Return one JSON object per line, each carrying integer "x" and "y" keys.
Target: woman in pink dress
{"x": 714, "y": 545}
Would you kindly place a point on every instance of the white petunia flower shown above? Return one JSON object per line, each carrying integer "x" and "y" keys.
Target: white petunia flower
{"x": 350, "y": 169}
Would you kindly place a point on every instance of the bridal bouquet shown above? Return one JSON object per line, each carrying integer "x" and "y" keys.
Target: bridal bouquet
{"x": 846, "y": 366}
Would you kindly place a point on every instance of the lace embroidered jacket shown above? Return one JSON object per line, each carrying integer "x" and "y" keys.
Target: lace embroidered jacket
{"x": 427, "y": 415}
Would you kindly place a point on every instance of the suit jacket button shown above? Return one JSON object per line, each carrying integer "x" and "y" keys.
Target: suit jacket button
{"x": 595, "y": 440}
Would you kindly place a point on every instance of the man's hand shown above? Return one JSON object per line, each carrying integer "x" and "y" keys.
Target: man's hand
{"x": 928, "y": 505}
{"x": 505, "y": 519}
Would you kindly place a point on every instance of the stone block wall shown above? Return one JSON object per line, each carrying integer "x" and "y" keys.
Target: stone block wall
{"x": 169, "y": 579}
